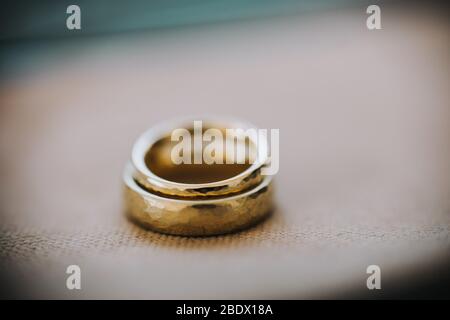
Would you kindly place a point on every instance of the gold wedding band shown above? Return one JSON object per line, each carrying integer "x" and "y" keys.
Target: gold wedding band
{"x": 143, "y": 160}
{"x": 193, "y": 200}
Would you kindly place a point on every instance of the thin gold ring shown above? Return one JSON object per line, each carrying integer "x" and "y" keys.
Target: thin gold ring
{"x": 150, "y": 181}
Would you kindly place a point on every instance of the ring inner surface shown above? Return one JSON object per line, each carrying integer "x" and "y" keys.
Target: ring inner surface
{"x": 158, "y": 160}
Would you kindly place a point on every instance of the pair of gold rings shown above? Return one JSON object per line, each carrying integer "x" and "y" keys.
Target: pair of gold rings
{"x": 193, "y": 199}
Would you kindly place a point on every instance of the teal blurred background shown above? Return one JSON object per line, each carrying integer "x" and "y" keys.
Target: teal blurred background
{"x": 47, "y": 19}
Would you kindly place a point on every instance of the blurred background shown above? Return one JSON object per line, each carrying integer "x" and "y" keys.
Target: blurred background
{"x": 364, "y": 125}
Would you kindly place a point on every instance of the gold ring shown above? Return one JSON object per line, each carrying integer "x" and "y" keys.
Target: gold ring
{"x": 151, "y": 153}
{"x": 196, "y": 217}
{"x": 193, "y": 200}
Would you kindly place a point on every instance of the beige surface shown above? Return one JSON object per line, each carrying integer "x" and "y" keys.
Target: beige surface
{"x": 364, "y": 177}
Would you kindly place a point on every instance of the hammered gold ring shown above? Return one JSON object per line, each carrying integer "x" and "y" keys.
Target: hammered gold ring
{"x": 193, "y": 199}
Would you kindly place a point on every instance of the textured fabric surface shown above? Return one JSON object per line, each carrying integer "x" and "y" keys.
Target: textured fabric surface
{"x": 364, "y": 174}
